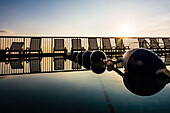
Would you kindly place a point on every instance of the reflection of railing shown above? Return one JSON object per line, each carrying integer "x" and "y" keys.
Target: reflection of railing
{"x": 36, "y": 65}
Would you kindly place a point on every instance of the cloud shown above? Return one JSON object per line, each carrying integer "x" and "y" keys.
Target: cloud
{"x": 4, "y": 31}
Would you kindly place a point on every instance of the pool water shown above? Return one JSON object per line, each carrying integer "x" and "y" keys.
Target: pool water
{"x": 77, "y": 92}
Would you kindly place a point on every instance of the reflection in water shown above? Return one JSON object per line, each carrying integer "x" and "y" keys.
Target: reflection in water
{"x": 142, "y": 85}
{"x": 143, "y": 76}
{"x": 35, "y": 66}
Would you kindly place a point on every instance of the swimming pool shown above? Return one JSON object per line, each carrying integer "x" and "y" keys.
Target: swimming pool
{"x": 77, "y": 92}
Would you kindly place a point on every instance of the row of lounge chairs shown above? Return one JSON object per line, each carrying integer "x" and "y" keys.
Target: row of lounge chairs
{"x": 35, "y": 45}
{"x": 154, "y": 44}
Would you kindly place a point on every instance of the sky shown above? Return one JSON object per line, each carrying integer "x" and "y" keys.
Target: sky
{"x": 85, "y": 17}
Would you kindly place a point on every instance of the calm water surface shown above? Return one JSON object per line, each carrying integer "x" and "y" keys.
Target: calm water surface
{"x": 77, "y": 92}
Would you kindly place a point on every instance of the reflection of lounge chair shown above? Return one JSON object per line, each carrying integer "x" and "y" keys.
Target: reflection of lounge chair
{"x": 35, "y": 46}
{"x": 15, "y": 47}
{"x": 120, "y": 45}
{"x": 35, "y": 66}
{"x": 143, "y": 43}
{"x": 59, "y": 45}
{"x": 76, "y": 45}
{"x": 75, "y": 66}
{"x": 16, "y": 64}
{"x": 119, "y": 64}
{"x": 166, "y": 43}
{"x": 106, "y": 44}
{"x": 167, "y": 59}
{"x": 93, "y": 44}
{"x": 58, "y": 64}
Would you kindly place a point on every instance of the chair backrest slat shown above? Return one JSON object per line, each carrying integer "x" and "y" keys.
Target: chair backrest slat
{"x": 119, "y": 43}
{"x": 166, "y": 43}
{"x": 76, "y": 44}
{"x": 35, "y": 66}
{"x": 93, "y": 43}
{"x": 143, "y": 43}
{"x": 58, "y": 64}
{"x": 35, "y": 44}
{"x": 16, "y": 64}
{"x": 17, "y": 46}
{"x": 154, "y": 43}
{"x": 106, "y": 43}
{"x": 59, "y": 44}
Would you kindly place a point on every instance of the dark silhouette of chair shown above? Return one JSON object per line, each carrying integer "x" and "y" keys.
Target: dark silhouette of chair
{"x": 15, "y": 47}
{"x": 76, "y": 45}
{"x": 93, "y": 44}
{"x": 143, "y": 43}
{"x": 35, "y": 46}
{"x": 154, "y": 43}
{"x": 59, "y": 45}
{"x": 16, "y": 64}
{"x": 166, "y": 43}
{"x": 58, "y": 64}
{"x": 120, "y": 45}
{"x": 35, "y": 65}
{"x": 106, "y": 44}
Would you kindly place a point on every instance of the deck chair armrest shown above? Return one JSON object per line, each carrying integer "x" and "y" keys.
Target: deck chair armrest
{"x": 27, "y": 49}
{"x": 7, "y": 48}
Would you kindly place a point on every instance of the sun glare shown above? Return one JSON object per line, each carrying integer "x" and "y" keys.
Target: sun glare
{"x": 126, "y": 31}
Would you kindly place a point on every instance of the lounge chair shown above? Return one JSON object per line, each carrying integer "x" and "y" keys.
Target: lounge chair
{"x": 154, "y": 43}
{"x": 16, "y": 64}
{"x": 166, "y": 43}
{"x": 106, "y": 44}
{"x": 15, "y": 47}
{"x": 59, "y": 45}
{"x": 35, "y": 46}
{"x": 93, "y": 44}
{"x": 76, "y": 45}
{"x": 120, "y": 45}
{"x": 58, "y": 64}
{"x": 143, "y": 43}
{"x": 35, "y": 66}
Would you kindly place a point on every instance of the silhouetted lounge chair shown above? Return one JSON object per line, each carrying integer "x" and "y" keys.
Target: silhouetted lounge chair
{"x": 59, "y": 45}
{"x": 93, "y": 44}
{"x": 166, "y": 43}
{"x": 15, "y": 47}
{"x": 154, "y": 43}
{"x": 143, "y": 43}
{"x": 35, "y": 66}
{"x": 16, "y": 64}
{"x": 58, "y": 64}
{"x": 106, "y": 44}
{"x": 76, "y": 45}
{"x": 35, "y": 46}
{"x": 120, "y": 45}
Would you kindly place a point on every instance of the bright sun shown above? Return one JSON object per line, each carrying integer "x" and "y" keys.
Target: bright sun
{"x": 126, "y": 31}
